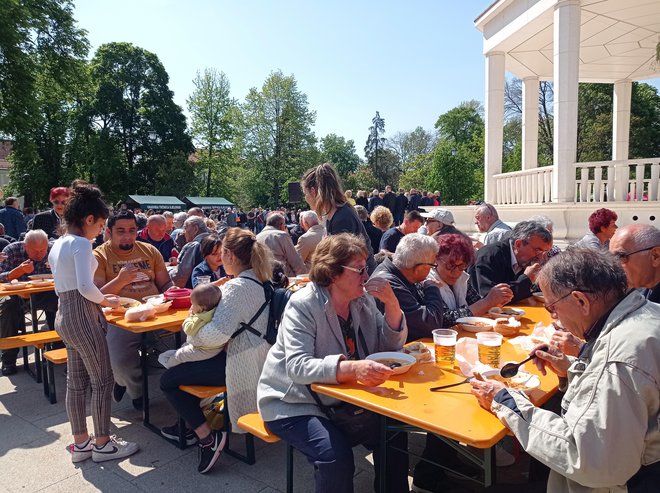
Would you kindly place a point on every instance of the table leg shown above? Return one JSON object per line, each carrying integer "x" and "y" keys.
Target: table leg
{"x": 382, "y": 483}
{"x": 490, "y": 468}
{"x": 37, "y": 351}
{"x": 145, "y": 384}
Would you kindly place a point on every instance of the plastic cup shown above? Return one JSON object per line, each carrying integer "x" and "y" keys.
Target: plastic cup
{"x": 203, "y": 279}
{"x": 490, "y": 345}
{"x": 444, "y": 342}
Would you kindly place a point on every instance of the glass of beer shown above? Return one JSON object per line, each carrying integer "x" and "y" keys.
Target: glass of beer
{"x": 444, "y": 342}
{"x": 490, "y": 344}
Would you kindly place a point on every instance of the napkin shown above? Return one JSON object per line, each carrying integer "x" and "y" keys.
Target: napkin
{"x": 542, "y": 334}
{"x": 467, "y": 357}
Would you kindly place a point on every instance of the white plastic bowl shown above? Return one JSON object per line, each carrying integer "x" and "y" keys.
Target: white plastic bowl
{"x": 406, "y": 360}
{"x": 476, "y": 324}
{"x": 506, "y": 312}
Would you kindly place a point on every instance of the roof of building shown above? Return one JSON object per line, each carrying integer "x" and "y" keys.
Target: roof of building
{"x": 157, "y": 201}
{"x": 208, "y": 201}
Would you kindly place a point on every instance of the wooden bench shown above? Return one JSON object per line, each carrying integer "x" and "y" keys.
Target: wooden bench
{"x": 35, "y": 339}
{"x": 204, "y": 392}
{"x": 52, "y": 357}
{"x": 253, "y": 424}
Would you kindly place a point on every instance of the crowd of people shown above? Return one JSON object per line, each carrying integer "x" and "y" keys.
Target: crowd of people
{"x": 383, "y": 272}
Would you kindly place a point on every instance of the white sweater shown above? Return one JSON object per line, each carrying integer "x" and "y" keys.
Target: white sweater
{"x": 73, "y": 267}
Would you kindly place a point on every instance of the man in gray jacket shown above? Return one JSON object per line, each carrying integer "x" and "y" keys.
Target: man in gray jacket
{"x": 276, "y": 237}
{"x": 195, "y": 231}
{"x": 607, "y": 437}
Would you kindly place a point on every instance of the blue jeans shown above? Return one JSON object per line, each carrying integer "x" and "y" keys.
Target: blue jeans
{"x": 328, "y": 449}
{"x": 209, "y": 372}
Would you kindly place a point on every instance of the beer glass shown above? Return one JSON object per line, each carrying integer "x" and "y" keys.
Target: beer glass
{"x": 444, "y": 342}
{"x": 490, "y": 344}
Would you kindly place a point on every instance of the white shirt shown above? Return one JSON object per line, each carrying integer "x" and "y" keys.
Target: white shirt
{"x": 73, "y": 267}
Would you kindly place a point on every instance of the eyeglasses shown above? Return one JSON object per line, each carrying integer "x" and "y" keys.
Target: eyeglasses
{"x": 453, "y": 267}
{"x": 355, "y": 269}
{"x": 58, "y": 202}
{"x": 435, "y": 266}
{"x": 624, "y": 257}
{"x": 551, "y": 306}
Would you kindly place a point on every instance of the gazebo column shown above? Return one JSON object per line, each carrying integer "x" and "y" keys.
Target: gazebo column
{"x": 530, "y": 122}
{"x": 621, "y": 135}
{"x": 566, "y": 46}
{"x": 494, "y": 116}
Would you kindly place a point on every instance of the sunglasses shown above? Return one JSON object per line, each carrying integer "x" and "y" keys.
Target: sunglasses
{"x": 58, "y": 202}
{"x": 355, "y": 269}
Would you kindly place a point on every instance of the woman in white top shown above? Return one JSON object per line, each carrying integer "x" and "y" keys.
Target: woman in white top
{"x": 82, "y": 326}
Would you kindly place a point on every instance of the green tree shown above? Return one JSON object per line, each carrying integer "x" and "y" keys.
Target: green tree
{"x": 278, "y": 140}
{"x": 341, "y": 153}
{"x": 458, "y": 159}
{"x": 133, "y": 110}
{"x": 362, "y": 179}
{"x": 410, "y": 146}
{"x": 36, "y": 37}
{"x": 373, "y": 150}
{"x": 213, "y": 115}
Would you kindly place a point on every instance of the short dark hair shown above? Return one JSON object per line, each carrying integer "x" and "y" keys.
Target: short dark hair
{"x": 524, "y": 231}
{"x": 275, "y": 219}
{"x": 9, "y": 201}
{"x": 414, "y": 216}
{"x": 587, "y": 270}
{"x": 209, "y": 243}
{"x": 122, "y": 214}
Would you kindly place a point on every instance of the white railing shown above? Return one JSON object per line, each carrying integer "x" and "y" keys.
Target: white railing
{"x": 532, "y": 186}
{"x": 626, "y": 180}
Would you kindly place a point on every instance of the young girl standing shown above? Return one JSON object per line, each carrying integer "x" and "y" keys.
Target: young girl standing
{"x": 82, "y": 326}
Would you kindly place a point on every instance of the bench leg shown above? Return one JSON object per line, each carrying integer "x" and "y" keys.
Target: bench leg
{"x": 49, "y": 382}
{"x": 249, "y": 457}
{"x": 289, "y": 469}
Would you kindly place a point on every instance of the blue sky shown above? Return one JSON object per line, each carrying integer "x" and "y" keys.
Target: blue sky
{"x": 411, "y": 60}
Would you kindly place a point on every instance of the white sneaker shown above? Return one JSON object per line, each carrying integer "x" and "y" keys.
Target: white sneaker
{"x": 116, "y": 448}
{"x": 79, "y": 454}
{"x": 502, "y": 457}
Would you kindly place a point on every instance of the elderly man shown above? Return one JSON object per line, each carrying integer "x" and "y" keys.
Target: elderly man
{"x": 314, "y": 233}
{"x": 177, "y": 233}
{"x": 440, "y": 222}
{"x": 607, "y": 437}
{"x": 389, "y": 199}
{"x": 132, "y": 269}
{"x": 50, "y": 221}
{"x": 195, "y": 231}
{"x": 637, "y": 246}
{"x": 24, "y": 258}
{"x": 406, "y": 272}
{"x": 12, "y": 217}
{"x": 514, "y": 261}
{"x": 488, "y": 221}
{"x": 169, "y": 220}
{"x": 196, "y": 211}
{"x": 276, "y": 237}
{"x": 391, "y": 238}
{"x": 156, "y": 235}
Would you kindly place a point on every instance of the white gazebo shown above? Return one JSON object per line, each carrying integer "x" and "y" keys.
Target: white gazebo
{"x": 567, "y": 42}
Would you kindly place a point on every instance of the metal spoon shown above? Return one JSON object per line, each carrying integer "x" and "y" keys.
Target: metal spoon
{"x": 394, "y": 365}
{"x": 442, "y": 387}
{"x": 511, "y": 369}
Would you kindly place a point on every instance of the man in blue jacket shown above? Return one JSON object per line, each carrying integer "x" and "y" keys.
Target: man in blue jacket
{"x": 12, "y": 218}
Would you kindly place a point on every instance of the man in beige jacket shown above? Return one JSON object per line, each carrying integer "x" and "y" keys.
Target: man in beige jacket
{"x": 314, "y": 233}
{"x": 276, "y": 237}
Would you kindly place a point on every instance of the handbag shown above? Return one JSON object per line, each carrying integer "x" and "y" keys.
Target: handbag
{"x": 356, "y": 423}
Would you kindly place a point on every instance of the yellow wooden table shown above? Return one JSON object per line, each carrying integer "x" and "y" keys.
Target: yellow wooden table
{"x": 26, "y": 292}
{"x": 455, "y": 413}
{"x": 171, "y": 320}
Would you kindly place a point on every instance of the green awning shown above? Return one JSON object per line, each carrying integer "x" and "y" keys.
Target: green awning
{"x": 166, "y": 202}
{"x": 208, "y": 202}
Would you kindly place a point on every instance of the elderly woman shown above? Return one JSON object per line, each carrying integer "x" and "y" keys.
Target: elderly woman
{"x": 239, "y": 365}
{"x": 602, "y": 225}
{"x": 328, "y": 328}
{"x": 459, "y": 298}
{"x": 211, "y": 250}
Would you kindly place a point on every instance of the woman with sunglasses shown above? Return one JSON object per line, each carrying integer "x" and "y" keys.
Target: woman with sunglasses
{"x": 327, "y": 330}
{"x": 52, "y": 221}
{"x": 459, "y": 298}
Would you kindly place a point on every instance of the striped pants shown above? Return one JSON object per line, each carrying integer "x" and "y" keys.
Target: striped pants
{"x": 82, "y": 327}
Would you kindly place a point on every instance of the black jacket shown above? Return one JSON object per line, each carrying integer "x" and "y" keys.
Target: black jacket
{"x": 48, "y": 222}
{"x": 413, "y": 202}
{"x": 421, "y": 303}
{"x": 389, "y": 201}
{"x": 374, "y": 233}
{"x": 493, "y": 266}
{"x": 400, "y": 204}
{"x": 374, "y": 201}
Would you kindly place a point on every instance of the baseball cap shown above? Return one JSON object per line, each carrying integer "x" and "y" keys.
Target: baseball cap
{"x": 443, "y": 215}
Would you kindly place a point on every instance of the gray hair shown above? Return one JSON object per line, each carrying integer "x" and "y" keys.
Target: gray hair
{"x": 485, "y": 207}
{"x": 275, "y": 219}
{"x": 180, "y": 218}
{"x": 585, "y": 269}
{"x": 544, "y": 221}
{"x": 167, "y": 214}
{"x": 412, "y": 248}
{"x": 310, "y": 218}
{"x": 35, "y": 236}
{"x": 524, "y": 231}
{"x": 156, "y": 218}
{"x": 646, "y": 236}
{"x": 198, "y": 222}
{"x": 362, "y": 213}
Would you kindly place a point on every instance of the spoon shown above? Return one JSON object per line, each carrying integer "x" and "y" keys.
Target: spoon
{"x": 394, "y": 365}
{"x": 435, "y": 389}
{"x": 511, "y": 369}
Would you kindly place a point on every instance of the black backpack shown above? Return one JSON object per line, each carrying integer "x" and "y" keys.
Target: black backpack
{"x": 276, "y": 300}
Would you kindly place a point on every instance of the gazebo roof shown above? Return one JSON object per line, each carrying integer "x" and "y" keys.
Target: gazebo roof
{"x": 618, "y": 38}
